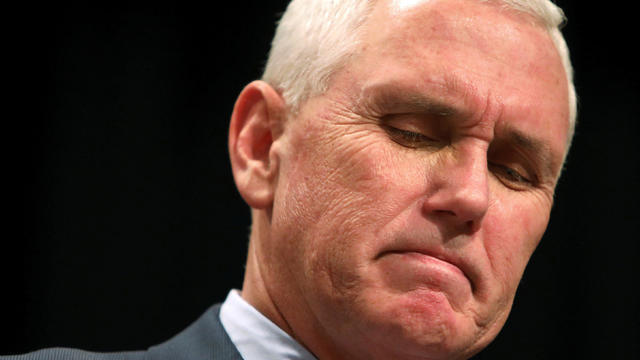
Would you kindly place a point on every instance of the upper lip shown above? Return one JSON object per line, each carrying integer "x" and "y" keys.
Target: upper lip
{"x": 454, "y": 258}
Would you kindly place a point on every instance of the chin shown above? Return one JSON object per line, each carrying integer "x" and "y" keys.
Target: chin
{"x": 427, "y": 327}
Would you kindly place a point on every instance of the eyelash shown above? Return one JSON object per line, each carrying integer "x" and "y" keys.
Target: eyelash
{"x": 509, "y": 176}
{"x": 409, "y": 139}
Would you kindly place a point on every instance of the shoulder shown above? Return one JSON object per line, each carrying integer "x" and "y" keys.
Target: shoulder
{"x": 75, "y": 354}
{"x": 204, "y": 339}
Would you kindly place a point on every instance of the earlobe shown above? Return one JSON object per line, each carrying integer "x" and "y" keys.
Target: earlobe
{"x": 256, "y": 123}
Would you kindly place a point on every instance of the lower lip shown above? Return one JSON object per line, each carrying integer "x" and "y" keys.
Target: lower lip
{"x": 412, "y": 270}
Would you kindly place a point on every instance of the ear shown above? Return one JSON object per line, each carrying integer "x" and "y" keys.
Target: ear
{"x": 256, "y": 122}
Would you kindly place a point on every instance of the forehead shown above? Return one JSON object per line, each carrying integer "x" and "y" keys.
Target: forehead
{"x": 470, "y": 54}
{"x": 438, "y": 32}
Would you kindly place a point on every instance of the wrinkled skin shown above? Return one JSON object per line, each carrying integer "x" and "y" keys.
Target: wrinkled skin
{"x": 405, "y": 202}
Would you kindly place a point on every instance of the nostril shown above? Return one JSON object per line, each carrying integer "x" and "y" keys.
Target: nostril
{"x": 445, "y": 212}
{"x": 472, "y": 226}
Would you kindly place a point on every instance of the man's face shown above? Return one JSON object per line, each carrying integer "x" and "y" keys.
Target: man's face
{"x": 412, "y": 193}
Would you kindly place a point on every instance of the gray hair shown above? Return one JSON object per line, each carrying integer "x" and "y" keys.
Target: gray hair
{"x": 315, "y": 38}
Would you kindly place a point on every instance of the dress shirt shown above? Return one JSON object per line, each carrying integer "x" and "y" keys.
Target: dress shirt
{"x": 255, "y": 336}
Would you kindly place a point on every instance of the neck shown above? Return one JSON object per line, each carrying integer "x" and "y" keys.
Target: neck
{"x": 268, "y": 289}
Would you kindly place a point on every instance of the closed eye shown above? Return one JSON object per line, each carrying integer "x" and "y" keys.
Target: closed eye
{"x": 512, "y": 178}
{"x": 410, "y": 139}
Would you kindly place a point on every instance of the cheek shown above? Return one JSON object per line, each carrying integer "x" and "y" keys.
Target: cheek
{"x": 345, "y": 172}
{"x": 341, "y": 194}
{"x": 512, "y": 234}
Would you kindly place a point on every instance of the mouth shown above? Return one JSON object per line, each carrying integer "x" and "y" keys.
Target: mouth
{"x": 436, "y": 267}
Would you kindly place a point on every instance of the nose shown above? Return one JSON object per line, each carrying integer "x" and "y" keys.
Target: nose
{"x": 459, "y": 188}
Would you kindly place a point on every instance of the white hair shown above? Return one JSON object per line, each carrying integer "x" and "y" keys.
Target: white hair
{"x": 315, "y": 38}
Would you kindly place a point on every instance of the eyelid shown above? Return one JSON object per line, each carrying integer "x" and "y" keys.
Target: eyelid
{"x": 412, "y": 125}
{"x": 410, "y": 139}
{"x": 512, "y": 177}
{"x": 507, "y": 155}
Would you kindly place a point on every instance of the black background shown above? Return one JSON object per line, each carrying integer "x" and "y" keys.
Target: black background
{"x": 122, "y": 223}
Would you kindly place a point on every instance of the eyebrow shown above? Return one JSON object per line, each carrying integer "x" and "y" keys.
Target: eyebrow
{"x": 391, "y": 97}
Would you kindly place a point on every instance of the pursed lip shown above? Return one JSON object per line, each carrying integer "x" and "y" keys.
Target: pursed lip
{"x": 465, "y": 267}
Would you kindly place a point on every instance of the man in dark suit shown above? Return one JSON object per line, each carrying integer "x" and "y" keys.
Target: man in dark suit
{"x": 400, "y": 159}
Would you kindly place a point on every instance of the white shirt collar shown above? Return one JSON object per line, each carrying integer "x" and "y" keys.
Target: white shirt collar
{"x": 255, "y": 336}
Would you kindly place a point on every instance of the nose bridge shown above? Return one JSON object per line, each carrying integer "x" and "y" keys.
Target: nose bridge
{"x": 472, "y": 192}
{"x": 462, "y": 191}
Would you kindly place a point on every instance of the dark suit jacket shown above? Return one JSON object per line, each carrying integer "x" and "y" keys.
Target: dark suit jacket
{"x": 205, "y": 339}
